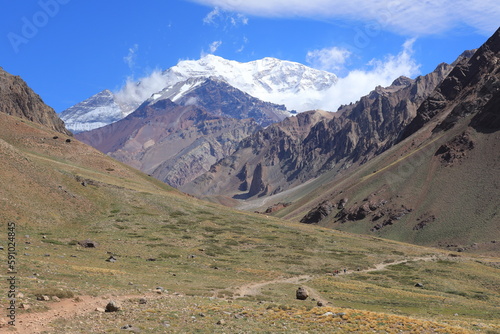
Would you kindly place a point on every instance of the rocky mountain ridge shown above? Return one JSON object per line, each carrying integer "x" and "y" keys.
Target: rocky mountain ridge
{"x": 97, "y": 111}
{"x": 17, "y": 99}
{"x": 220, "y": 98}
{"x": 276, "y": 158}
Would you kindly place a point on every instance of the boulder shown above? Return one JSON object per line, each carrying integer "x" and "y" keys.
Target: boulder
{"x": 88, "y": 243}
{"x": 301, "y": 293}
{"x": 113, "y": 306}
{"x": 111, "y": 259}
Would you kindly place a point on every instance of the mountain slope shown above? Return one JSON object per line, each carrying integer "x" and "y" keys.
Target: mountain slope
{"x": 17, "y": 99}
{"x": 256, "y": 168}
{"x": 278, "y": 160}
{"x": 175, "y": 143}
{"x": 222, "y": 99}
{"x": 271, "y": 80}
{"x": 439, "y": 186}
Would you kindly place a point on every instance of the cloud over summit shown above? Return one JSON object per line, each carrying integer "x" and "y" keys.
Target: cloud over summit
{"x": 403, "y": 17}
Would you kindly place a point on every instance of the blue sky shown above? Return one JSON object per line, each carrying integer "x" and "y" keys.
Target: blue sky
{"x": 68, "y": 50}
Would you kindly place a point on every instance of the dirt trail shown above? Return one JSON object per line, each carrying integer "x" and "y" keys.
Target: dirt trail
{"x": 35, "y": 323}
{"x": 382, "y": 266}
{"x": 253, "y": 289}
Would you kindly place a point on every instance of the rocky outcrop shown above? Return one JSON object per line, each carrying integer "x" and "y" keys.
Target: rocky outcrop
{"x": 317, "y": 214}
{"x": 423, "y": 221}
{"x": 257, "y": 187}
{"x": 455, "y": 150}
{"x": 17, "y": 99}
{"x": 277, "y": 207}
{"x": 301, "y": 294}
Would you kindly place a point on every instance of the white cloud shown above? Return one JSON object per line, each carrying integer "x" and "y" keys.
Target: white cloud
{"x": 134, "y": 92}
{"x": 214, "y": 46}
{"x": 328, "y": 59}
{"x": 129, "y": 59}
{"x": 360, "y": 82}
{"x": 403, "y": 17}
{"x": 242, "y": 18}
{"x": 228, "y": 19}
{"x": 210, "y": 18}
{"x": 244, "y": 43}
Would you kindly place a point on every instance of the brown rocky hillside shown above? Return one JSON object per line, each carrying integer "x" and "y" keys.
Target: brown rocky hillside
{"x": 17, "y": 99}
{"x": 439, "y": 186}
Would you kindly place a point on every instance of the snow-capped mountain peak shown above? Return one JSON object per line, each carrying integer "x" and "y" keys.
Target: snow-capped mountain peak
{"x": 269, "y": 79}
{"x": 96, "y": 111}
{"x": 294, "y": 85}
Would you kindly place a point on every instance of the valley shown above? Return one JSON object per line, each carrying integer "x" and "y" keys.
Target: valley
{"x": 383, "y": 215}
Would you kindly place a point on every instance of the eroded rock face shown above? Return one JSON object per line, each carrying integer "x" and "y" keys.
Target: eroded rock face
{"x": 17, "y": 99}
{"x": 257, "y": 187}
{"x": 472, "y": 87}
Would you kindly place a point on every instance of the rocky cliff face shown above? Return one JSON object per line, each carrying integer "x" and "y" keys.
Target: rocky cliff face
{"x": 471, "y": 86}
{"x": 17, "y": 99}
{"x": 220, "y": 98}
{"x": 300, "y": 148}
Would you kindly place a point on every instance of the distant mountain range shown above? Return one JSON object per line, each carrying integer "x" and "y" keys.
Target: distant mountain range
{"x": 417, "y": 161}
{"x": 294, "y": 85}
